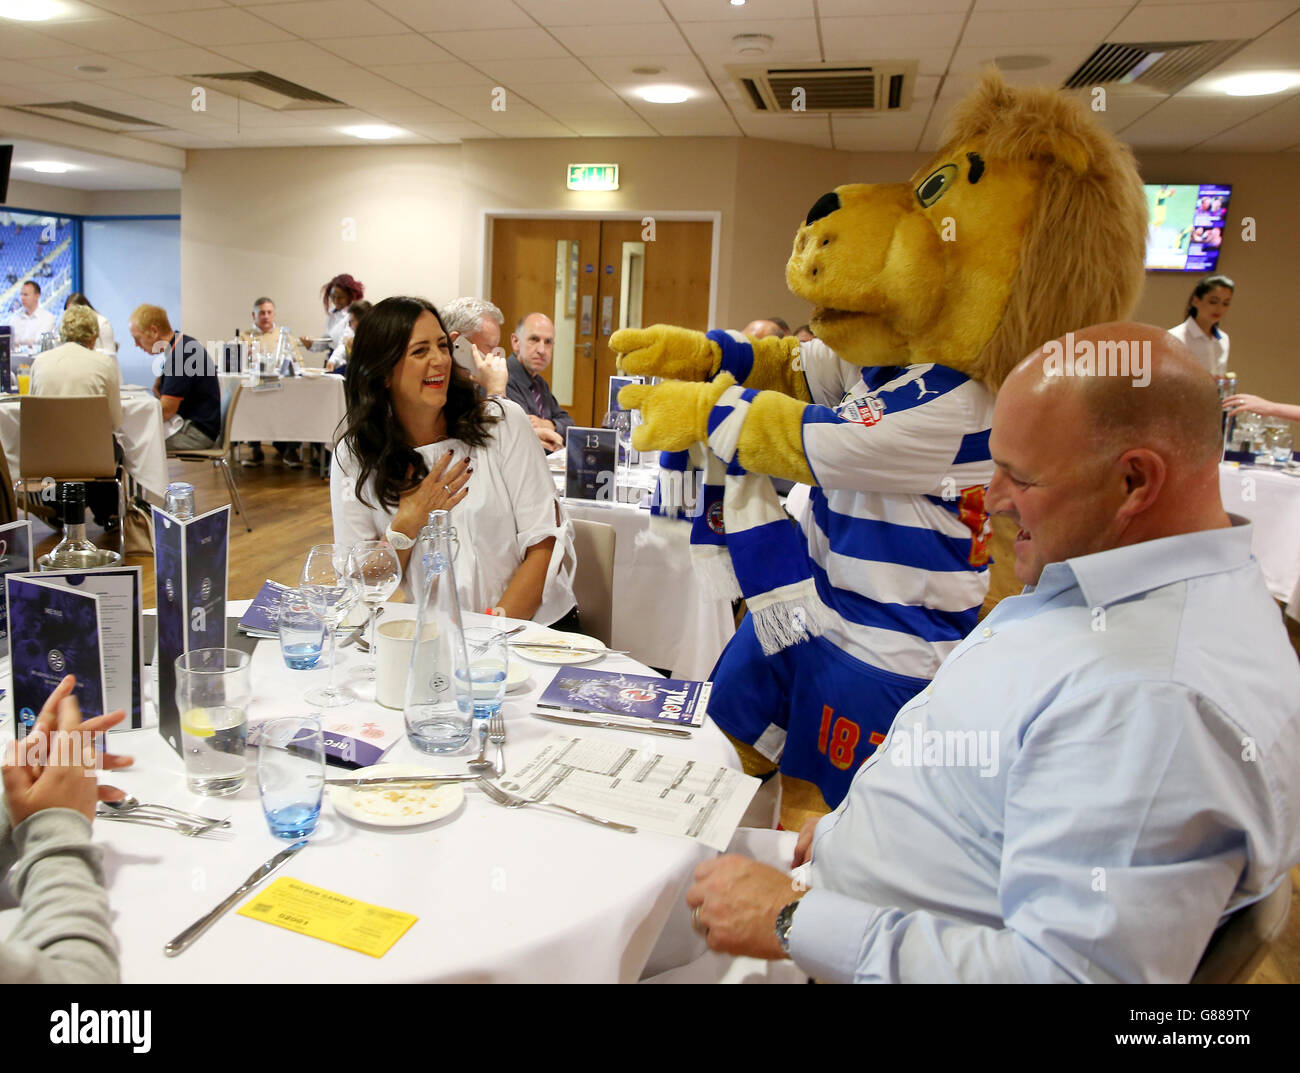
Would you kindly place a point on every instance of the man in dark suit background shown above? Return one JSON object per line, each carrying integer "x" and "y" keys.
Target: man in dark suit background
{"x": 533, "y": 345}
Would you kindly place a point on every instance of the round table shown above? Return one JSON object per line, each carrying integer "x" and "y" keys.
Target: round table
{"x": 1270, "y": 498}
{"x": 302, "y": 409}
{"x": 501, "y": 895}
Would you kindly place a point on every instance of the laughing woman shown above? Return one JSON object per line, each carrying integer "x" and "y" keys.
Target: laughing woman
{"x": 418, "y": 439}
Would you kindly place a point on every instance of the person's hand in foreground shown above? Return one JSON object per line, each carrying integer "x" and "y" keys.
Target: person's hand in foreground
{"x": 735, "y": 902}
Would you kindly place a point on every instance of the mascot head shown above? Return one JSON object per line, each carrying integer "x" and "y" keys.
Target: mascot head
{"x": 1030, "y": 222}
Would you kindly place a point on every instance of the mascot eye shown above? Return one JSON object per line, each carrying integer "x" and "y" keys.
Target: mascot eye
{"x": 931, "y": 190}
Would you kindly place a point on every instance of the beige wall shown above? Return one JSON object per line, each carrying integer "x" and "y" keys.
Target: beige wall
{"x": 45, "y": 198}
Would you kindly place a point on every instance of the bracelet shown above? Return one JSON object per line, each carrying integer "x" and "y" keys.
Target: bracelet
{"x": 499, "y": 611}
{"x": 400, "y": 541}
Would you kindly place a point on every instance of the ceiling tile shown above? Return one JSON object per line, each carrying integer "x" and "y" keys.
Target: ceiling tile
{"x": 793, "y": 39}
{"x": 151, "y": 7}
{"x": 110, "y": 34}
{"x": 550, "y": 13}
{"x": 806, "y": 130}
{"x": 969, "y": 61}
{"x": 1032, "y": 5}
{"x": 284, "y": 58}
{"x": 420, "y": 76}
{"x": 499, "y": 44}
{"x": 386, "y": 97}
{"x": 328, "y": 18}
{"x": 163, "y": 88}
{"x": 839, "y": 8}
{"x": 622, "y": 40}
{"x": 530, "y": 72}
{"x": 453, "y": 132}
{"x": 930, "y": 61}
{"x": 709, "y": 10}
{"x": 475, "y": 103}
{"x": 631, "y": 127}
{"x": 1269, "y": 132}
{"x": 618, "y": 70}
{"x": 867, "y": 35}
{"x": 23, "y": 74}
{"x": 1202, "y": 21}
{"x": 533, "y": 128}
{"x": 17, "y": 43}
{"x": 113, "y": 67}
{"x": 723, "y": 127}
{"x": 574, "y": 96}
{"x": 426, "y": 114}
{"x": 881, "y": 134}
{"x": 1007, "y": 29}
{"x": 51, "y": 92}
{"x": 219, "y": 26}
{"x": 182, "y": 60}
{"x": 450, "y": 15}
{"x": 1181, "y": 123}
{"x": 399, "y": 48}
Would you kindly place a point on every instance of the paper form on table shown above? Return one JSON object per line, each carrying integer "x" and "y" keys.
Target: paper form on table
{"x": 324, "y": 914}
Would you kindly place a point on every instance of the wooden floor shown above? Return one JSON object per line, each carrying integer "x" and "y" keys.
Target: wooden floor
{"x": 290, "y": 511}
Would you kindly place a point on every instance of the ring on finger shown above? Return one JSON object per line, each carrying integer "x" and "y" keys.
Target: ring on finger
{"x": 695, "y": 920}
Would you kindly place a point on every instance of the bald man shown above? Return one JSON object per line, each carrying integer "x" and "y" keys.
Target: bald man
{"x": 533, "y": 345}
{"x": 764, "y": 327}
{"x": 1109, "y": 764}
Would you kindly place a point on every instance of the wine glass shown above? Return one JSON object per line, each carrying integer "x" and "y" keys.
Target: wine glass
{"x": 374, "y": 571}
{"x": 324, "y": 581}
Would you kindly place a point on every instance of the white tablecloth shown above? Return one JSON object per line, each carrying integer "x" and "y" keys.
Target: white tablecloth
{"x": 144, "y": 444}
{"x": 660, "y": 614}
{"x": 522, "y": 895}
{"x": 1271, "y": 500}
{"x": 305, "y": 409}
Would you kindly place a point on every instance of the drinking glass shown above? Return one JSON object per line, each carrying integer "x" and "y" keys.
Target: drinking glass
{"x": 488, "y": 656}
{"x": 302, "y": 631}
{"x": 374, "y": 570}
{"x": 1279, "y": 441}
{"x": 291, "y": 775}
{"x": 330, "y": 594}
{"x": 213, "y": 688}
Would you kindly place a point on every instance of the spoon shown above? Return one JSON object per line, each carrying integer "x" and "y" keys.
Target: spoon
{"x": 130, "y": 803}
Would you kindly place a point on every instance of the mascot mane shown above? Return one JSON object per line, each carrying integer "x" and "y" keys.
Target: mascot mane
{"x": 1091, "y": 216}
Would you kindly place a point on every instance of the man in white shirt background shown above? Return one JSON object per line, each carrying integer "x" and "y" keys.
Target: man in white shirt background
{"x": 266, "y": 337}
{"x": 30, "y": 322}
{"x": 1129, "y": 726}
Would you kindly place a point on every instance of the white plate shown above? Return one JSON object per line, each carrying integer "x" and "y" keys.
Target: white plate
{"x": 397, "y": 805}
{"x": 562, "y": 654}
{"x": 313, "y": 372}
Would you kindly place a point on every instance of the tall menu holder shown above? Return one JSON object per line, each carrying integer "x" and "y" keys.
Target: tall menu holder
{"x": 591, "y": 464}
{"x": 6, "y": 350}
{"x": 191, "y": 571}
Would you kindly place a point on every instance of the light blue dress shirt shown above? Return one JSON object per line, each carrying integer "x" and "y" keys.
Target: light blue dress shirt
{"x": 1099, "y": 772}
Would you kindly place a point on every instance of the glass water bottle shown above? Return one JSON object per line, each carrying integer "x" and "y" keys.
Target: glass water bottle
{"x": 75, "y": 551}
{"x": 179, "y": 501}
{"x": 439, "y": 706}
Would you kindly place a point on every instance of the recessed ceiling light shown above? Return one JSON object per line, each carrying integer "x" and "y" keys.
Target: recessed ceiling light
{"x": 50, "y": 167}
{"x": 1258, "y": 83}
{"x": 664, "y": 94}
{"x": 31, "y": 10}
{"x": 737, "y": 3}
{"x": 91, "y": 69}
{"x": 374, "y": 132}
{"x": 648, "y": 70}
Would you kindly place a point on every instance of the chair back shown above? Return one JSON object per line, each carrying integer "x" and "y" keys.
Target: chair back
{"x": 228, "y": 417}
{"x": 593, "y": 580}
{"x": 1239, "y": 945}
{"x": 67, "y": 437}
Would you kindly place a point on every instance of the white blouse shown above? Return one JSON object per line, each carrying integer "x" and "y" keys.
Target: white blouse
{"x": 511, "y": 505}
{"x": 1211, "y": 351}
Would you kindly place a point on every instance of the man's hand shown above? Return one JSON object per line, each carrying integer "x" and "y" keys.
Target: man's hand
{"x": 676, "y": 414}
{"x": 66, "y": 776}
{"x": 490, "y": 370}
{"x": 662, "y": 350}
{"x": 738, "y": 901}
{"x": 551, "y": 440}
{"x": 803, "y": 848}
{"x": 540, "y": 422}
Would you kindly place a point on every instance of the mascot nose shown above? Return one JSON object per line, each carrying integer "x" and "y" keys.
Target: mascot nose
{"x": 824, "y": 206}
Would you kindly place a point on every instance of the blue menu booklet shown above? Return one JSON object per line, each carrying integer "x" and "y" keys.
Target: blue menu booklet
{"x": 15, "y": 557}
{"x": 53, "y": 630}
{"x": 191, "y": 573}
{"x": 675, "y": 701}
{"x": 262, "y": 619}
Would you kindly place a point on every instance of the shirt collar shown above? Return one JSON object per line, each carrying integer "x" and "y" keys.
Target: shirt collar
{"x": 1106, "y": 577}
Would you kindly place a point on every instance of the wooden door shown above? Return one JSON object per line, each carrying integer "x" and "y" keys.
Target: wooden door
{"x": 533, "y": 270}
{"x": 549, "y": 266}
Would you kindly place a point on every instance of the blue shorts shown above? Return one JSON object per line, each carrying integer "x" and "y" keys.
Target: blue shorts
{"x": 833, "y": 709}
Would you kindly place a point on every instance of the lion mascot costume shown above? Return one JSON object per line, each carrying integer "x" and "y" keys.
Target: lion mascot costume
{"x": 1030, "y": 222}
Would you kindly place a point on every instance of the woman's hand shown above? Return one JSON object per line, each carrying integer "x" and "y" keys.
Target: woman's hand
{"x": 1236, "y": 404}
{"x": 444, "y": 487}
{"x": 491, "y": 370}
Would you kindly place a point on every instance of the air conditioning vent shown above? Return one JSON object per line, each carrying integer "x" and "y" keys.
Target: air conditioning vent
{"x": 87, "y": 115}
{"x": 1162, "y": 66}
{"x": 827, "y": 88}
{"x": 268, "y": 90}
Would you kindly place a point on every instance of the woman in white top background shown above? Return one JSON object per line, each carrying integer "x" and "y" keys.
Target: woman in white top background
{"x": 1201, "y": 331}
{"x": 107, "y": 344}
{"x": 336, "y": 296}
{"x": 418, "y": 439}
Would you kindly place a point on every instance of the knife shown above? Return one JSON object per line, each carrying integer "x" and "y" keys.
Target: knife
{"x": 203, "y": 923}
{"x": 354, "y": 632}
{"x": 380, "y": 780}
{"x": 667, "y": 732}
{"x": 571, "y": 649}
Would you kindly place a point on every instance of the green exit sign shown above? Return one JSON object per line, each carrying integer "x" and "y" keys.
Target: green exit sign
{"x": 593, "y": 176}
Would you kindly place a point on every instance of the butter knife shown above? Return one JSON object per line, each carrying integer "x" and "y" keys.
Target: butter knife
{"x": 380, "y": 780}
{"x": 203, "y": 923}
{"x": 666, "y": 732}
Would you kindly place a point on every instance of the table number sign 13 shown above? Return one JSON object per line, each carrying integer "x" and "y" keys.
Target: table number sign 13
{"x": 591, "y": 463}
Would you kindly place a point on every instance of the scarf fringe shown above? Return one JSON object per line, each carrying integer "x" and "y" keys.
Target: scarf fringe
{"x": 798, "y": 617}
{"x": 714, "y": 572}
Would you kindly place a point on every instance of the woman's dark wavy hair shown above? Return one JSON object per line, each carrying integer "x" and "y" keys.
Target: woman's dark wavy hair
{"x": 372, "y": 432}
{"x": 1205, "y": 287}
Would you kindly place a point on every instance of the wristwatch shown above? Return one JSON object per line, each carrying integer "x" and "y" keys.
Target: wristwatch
{"x": 400, "y": 541}
{"x": 784, "y": 922}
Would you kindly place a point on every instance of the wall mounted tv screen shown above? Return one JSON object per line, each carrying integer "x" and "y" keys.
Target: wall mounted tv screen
{"x": 1185, "y": 226}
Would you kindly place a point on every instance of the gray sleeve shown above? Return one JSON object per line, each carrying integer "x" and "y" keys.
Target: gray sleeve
{"x": 63, "y": 934}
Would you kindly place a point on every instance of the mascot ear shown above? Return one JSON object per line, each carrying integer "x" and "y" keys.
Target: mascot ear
{"x": 1069, "y": 151}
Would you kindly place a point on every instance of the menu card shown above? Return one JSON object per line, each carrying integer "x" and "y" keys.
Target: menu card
{"x": 190, "y": 571}
{"x": 621, "y": 696}
{"x": 652, "y": 791}
{"x": 54, "y": 631}
{"x": 15, "y": 557}
{"x": 591, "y": 461}
{"x": 353, "y": 739}
{"x": 122, "y": 639}
{"x": 262, "y": 619}
{"x": 617, "y": 384}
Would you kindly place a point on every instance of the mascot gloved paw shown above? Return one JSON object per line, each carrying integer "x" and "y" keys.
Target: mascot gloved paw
{"x": 666, "y": 351}
{"x": 675, "y": 413}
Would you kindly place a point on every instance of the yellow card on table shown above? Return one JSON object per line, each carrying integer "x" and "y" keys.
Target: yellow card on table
{"x": 323, "y": 914}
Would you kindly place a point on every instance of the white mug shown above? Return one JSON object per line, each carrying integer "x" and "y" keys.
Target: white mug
{"x": 393, "y": 640}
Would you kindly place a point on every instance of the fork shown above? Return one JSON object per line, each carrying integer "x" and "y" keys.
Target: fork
{"x": 131, "y": 803}
{"x": 189, "y": 830}
{"x": 497, "y": 735}
{"x": 505, "y": 800}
